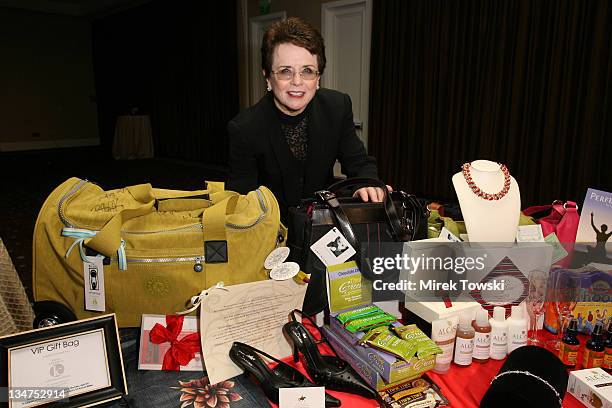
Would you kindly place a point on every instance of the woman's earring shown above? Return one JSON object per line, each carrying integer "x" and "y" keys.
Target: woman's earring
{"x": 318, "y": 85}
{"x": 269, "y": 88}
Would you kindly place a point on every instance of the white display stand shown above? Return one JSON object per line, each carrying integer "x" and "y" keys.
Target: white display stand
{"x": 430, "y": 311}
{"x": 488, "y": 220}
{"x": 420, "y": 302}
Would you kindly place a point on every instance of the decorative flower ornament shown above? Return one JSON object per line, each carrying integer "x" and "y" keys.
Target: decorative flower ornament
{"x": 202, "y": 394}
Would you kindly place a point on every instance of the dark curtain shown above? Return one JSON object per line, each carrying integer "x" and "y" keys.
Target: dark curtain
{"x": 523, "y": 82}
{"x": 177, "y": 62}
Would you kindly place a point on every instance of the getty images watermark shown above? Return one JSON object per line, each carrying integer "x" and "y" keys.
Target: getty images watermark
{"x": 410, "y": 265}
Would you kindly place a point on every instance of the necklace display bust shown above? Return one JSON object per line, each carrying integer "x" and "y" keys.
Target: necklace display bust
{"x": 492, "y": 219}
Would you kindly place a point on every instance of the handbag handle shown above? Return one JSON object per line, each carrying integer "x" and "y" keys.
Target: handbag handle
{"x": 558, "y": 206}
{"x": 343, "y": 221}
{"x": 400, "y": 233}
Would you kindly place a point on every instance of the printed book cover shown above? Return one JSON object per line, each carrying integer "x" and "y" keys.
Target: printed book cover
{"x": 593, "y": 243}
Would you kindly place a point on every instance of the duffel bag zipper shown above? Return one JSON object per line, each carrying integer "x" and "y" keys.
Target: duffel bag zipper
{"x": 60, "y": 205}
{"x": 81, "y": 183}
{"x": 197, "y": 261}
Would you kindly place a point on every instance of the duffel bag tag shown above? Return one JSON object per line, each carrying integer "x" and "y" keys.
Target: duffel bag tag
{"x": 276, "y": 257}
{"x": 93, "y": 284}
{"x": 284, "y": 271}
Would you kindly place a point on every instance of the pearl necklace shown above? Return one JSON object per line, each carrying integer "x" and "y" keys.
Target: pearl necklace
{"x": 476, "y": 190}
{"x": 527, "y": 373}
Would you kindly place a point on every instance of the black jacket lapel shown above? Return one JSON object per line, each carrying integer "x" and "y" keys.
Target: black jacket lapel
{"x": 319, "y": 148}
{"x": 289, "y": 172}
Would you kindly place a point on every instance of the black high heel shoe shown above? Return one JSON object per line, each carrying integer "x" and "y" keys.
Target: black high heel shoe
{"x": 330, "y": 371}
{"x": 270, "y": 380}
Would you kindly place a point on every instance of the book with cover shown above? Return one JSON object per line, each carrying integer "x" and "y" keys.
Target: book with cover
{"x": 593, "y": 243}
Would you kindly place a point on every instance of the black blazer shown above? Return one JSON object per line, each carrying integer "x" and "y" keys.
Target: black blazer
{"x": 259, "y": 154}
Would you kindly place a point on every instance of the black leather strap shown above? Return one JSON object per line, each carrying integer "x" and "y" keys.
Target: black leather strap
{"x": 400, "y": 233}
{"x": 343, "y": 221}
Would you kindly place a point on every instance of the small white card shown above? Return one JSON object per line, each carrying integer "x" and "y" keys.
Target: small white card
{"x": 333, "y": 248}
{"x": 93, "y": 282}
{"x": 529, "y": 233}
{"x": 301, "y": 397}
{"x": 449, "y": 236}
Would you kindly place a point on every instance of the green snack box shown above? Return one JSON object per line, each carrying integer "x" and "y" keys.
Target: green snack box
{"x": 382, "y": 339}
{"x": 346, "y": 317}
{"x": 369, "y": 322}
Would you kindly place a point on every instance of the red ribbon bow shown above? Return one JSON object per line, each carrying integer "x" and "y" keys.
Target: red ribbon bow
{"x": 182, "y": 351}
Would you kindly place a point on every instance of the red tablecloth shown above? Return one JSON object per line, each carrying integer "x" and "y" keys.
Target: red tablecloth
{"x": 463, "y": 386}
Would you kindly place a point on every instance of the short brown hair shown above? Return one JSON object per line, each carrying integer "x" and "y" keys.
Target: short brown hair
{"x": 296, "y": 31}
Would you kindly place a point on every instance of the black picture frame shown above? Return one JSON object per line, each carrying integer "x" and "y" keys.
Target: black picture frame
{"x": 114, "y": 359}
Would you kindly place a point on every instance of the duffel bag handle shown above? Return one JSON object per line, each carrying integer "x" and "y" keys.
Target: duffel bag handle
{"x": 108, "y": 240}
{"x": 191, "y": 203}
{"x": 160, "y": 194}
{"x": 400, "y": 233}
{"x": 145, "y": 193}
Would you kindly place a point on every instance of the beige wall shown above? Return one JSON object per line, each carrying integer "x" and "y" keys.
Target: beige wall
{"x": 46, "y": 81}
{"x": 309, "y": 10}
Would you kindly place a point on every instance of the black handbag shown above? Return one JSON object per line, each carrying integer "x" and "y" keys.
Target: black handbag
{"x": 366, "y": 226}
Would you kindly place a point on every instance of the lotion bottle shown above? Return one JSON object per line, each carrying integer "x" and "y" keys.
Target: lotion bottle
{"x": 464, "y": 345}
{"x": 499, "y": 334}
{"x": 517, "y": 329}
{"x": 482, "y": 337}
{"x": 443, "y": 333}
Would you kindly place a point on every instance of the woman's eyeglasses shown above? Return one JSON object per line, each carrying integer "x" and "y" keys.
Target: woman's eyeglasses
{"x": 286, "y": 74}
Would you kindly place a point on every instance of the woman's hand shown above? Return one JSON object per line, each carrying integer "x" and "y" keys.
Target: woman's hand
{"x": 374, "y": 194}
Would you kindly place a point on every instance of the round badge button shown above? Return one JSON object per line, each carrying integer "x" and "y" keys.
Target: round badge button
{"x": 284, "y": 271}
{"x": 276, "y": 257}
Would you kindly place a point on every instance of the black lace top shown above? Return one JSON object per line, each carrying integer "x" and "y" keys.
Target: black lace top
{"x": 295, "y": 130}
